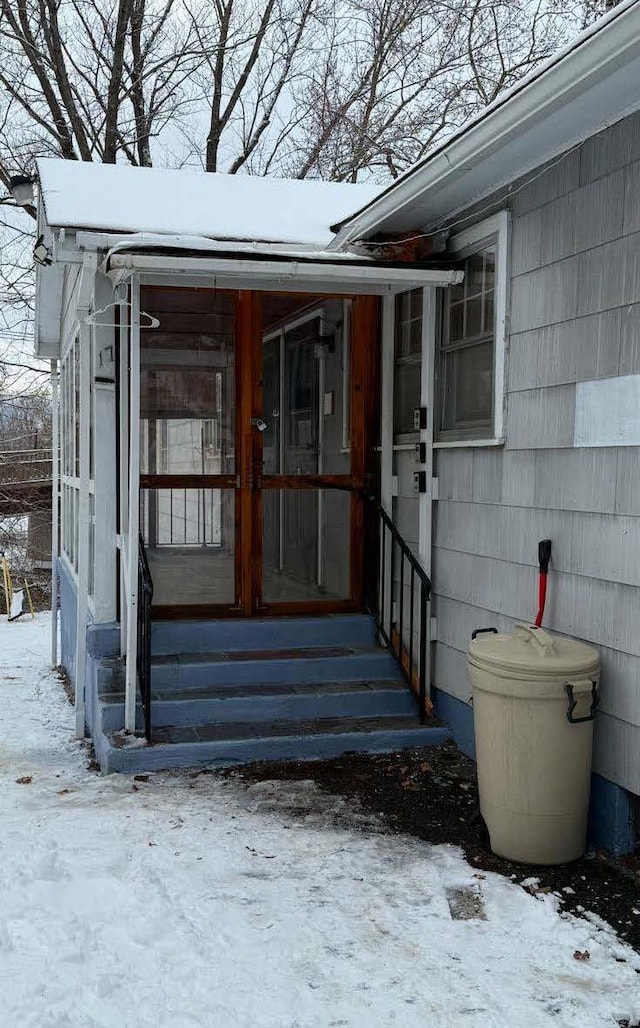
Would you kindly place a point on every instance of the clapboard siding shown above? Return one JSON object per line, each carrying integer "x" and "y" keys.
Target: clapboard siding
{"x": 547, "y": 295}
{"x": 609, "y": 275}
{"x": 574, "y": 316}
{"x": 615, "y": 147}
{"x": 574, "y": 351}
{"x": 616, "y": 752}
{"x": 631, "y": 221}
{"x": 583, "y": 218}
{"x": 541, "y": 418}
{"x": 561, "y": 176}
{"x": 603, "y": 612}
{"x": 456, "y": 622}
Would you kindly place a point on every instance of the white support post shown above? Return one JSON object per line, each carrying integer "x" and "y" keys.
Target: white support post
{"x": 86, "y": 292}
{"x": 386, "y": 442}
{"x": 55, "y": 509}
{"x": 105, "y": 502}
{"x": 386, "y": 427}
{"x": 134, "y": 509}
{"x": 123, "y": 462}
{"x": 427, "y": 399}
{"x": 104, "y": 470}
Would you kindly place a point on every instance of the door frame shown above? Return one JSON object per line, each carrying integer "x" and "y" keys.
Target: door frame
{"x": 249, "y": 483}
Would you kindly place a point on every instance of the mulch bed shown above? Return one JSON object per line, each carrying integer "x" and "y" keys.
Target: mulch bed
{"x": 432, "y": 794}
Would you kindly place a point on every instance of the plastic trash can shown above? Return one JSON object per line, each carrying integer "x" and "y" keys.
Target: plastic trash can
{"x": 534, "y": 698}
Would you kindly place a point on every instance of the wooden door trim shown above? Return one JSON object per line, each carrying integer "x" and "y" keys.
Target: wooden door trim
{"x": 343, "y": 482}
{"x": 187, "y": 481}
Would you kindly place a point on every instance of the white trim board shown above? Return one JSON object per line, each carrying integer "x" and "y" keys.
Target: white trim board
{"x": 608, "y": 412}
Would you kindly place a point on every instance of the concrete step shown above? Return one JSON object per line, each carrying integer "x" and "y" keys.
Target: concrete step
{"x": 353, "y": 631}
{"x": 264, "y": 703}
{"x": 350, "y": 630}
{"x": 253, "y": 667}
{"x": 247, "y": 742}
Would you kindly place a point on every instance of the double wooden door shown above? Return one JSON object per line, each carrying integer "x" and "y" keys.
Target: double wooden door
{"x": 258, "y": 435}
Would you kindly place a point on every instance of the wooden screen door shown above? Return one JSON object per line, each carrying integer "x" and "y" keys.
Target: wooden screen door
{"x": 309, "y": 410}
{"x": 258, "y": 434}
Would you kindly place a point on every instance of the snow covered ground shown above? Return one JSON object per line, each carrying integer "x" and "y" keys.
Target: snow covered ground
{"x": 190, "y": 901}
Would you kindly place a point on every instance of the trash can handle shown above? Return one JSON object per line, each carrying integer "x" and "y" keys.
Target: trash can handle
{"x": 595, "y": 700}
{"x": 539, "y": 637}
{"x": 478, "y": 631}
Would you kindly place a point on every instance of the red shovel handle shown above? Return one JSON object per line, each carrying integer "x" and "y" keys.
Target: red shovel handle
{"x": 544, "y": 556}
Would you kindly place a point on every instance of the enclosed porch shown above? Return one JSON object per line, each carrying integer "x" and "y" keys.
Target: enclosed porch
{"x": 264, "y": 601}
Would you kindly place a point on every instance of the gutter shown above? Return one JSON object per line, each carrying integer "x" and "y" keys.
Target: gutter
{"x": 291, "y": 273}
{"x": 590, "y": 57}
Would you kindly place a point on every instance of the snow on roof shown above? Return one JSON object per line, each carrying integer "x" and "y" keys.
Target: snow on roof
{"x": 121, "y": 198}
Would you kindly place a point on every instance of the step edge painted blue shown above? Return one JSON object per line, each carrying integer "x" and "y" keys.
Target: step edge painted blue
{"x": 288, "y": 707}
{"x": 239, "y": 634}
{"x": 166, "y": 756}
{"x": 351, "y": 667}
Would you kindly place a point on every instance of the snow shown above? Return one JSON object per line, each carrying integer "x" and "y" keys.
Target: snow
{"x": 120, "y": 198}
{"x": 192, "y": 901}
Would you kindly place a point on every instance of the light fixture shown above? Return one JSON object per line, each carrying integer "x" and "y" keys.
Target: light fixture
{"x": 41, "y": 253}
{"x": 21, "y": 189}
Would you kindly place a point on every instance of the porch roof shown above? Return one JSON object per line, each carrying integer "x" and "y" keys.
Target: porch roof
{"x": 120, "y": 198}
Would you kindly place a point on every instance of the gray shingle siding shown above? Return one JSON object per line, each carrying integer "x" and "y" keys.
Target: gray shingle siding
{"x": 574, "y": 316}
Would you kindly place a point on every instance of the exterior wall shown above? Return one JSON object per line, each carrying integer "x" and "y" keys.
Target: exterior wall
{"x": 574, "y": 316}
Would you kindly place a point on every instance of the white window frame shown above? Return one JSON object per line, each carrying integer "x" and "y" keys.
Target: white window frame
{"x": 495, "y": 228}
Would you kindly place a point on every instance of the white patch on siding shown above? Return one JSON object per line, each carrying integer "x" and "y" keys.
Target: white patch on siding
{"x": 608, "y": 412}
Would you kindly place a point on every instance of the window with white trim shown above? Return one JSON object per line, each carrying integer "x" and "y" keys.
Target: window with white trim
{"x": 407, "y": 360}
{"x": 470, "y": 356}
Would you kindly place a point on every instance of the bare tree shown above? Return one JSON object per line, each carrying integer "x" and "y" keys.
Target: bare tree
{"x": 88, "y": 80}
{"x": 413, "y": 71}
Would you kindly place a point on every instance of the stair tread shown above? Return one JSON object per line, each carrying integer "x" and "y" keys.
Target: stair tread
{"x": 259, "y": 690}
{"x": 244, "y": 731}
{"x": 233, "y": 656}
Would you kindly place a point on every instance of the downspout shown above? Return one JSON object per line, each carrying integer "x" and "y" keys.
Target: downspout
{"x": 55, "y": 510}
{"x": 87, "y": 281}
{"x": 134, "y": 510}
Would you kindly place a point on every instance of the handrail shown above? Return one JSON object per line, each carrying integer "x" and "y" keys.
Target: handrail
{"x": 143, "y": 657}
{"x": 391, "y": 623}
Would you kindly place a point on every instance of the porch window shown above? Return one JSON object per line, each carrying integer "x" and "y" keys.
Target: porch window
{"x": 408, "y": 360}
{"x": 471, "y": 344}
{"x": 70, "y": 458}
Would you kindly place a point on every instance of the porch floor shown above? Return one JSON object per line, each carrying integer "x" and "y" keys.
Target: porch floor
{"x": 206, "y": 575}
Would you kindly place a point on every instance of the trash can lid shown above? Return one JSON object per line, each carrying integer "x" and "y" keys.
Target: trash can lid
{"x": 533, "y": 652}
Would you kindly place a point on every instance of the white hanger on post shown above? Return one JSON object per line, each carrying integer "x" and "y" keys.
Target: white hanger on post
{"x": 92, "y": 319}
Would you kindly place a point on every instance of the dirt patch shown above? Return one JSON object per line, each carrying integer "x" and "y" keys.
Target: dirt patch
{"x": 432, "y": 794}
{"x": 67, "y": 684}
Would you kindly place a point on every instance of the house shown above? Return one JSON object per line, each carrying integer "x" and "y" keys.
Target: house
{"x": 308, "y": 400}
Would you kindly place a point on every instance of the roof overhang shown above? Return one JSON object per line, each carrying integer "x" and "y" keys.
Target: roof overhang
{"x": 579, "y": 92}
{"x": 295, "y": 273}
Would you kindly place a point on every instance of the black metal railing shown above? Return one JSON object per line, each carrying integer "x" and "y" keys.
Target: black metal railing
{"x": 398, "y": 600}
{"x": 143, "y": 657}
